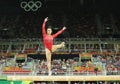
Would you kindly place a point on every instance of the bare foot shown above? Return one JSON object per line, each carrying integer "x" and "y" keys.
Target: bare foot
{"x": 63, "y": 44}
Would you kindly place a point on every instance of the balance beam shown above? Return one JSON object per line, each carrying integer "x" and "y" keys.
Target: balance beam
{"x": 65, "y": 78}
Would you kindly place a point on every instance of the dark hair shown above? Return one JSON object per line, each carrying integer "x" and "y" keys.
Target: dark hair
{"x": 49, "y": 27}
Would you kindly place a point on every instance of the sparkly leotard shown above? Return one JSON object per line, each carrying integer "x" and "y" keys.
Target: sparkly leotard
{"x": 48, "y": 40}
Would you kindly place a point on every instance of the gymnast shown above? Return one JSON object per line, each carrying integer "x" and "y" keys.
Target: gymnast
{"x": 48, "y": 42}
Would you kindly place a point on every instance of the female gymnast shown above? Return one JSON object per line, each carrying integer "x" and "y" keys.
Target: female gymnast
{"x": 48, "y": 42}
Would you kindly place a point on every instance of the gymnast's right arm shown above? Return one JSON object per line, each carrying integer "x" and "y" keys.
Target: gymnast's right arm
{"x": 43, "y": 26}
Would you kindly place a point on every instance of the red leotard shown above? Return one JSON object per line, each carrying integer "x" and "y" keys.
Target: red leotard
{"x": 48, "y": 40}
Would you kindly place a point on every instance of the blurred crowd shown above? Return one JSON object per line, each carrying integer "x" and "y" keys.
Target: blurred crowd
{"x": 78, "y": 82}
{"x": 97, "y": 64}
{"x": 85, "y": 25}
{"x": 105, "y": 64}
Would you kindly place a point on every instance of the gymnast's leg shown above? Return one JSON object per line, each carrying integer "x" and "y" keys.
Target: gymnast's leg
{"x": 48, "y": 57}
{"x": 55, "y": 47}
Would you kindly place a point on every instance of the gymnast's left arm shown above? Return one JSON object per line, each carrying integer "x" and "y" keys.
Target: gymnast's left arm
{"x": 59, "y": 32}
